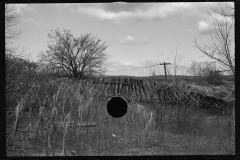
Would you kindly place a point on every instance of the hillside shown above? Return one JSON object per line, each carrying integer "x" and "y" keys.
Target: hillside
{"x": 162, "y": 77}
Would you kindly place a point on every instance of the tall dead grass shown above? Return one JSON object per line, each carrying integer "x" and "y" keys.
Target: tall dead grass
{"x": 68, "y": 117}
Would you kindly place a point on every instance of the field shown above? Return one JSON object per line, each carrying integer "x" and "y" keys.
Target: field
{"x": 69, "y": 118}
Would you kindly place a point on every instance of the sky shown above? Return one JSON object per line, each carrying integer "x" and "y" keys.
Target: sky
{"x": 137, "y": 34}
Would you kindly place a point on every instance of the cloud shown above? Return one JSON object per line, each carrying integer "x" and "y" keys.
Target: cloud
{"x": 203, "y": 27}
{"x": 122, "y": 6}
{"x": 129, "y": 40}
{"x": 21, "y": 7}
{"x": 126, "y": 64}
{"x": 119, "y": 12}
{"x": 211, "y": 21}
{"x": 36, "y": 23}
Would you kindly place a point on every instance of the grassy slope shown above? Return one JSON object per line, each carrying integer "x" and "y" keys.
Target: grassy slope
{"x": 180, "y": 130}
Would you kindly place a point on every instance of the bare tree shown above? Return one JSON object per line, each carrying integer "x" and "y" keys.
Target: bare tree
{"x": 77, "y": 57}
{"x": 193, "y": 69}
{"x": 229, "y": 6}
{"x": 206, "y": 72}
{"x": 11, "y": 20}
{"x": 222, "y": 48}
{"x": 151, "y": 68}
{"x": 174, "y": 68}
{"x": 175, "y": 65}
{"x": 16, "y": 68}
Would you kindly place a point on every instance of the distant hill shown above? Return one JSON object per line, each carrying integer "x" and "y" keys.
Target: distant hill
{"x": 150, "y": 77}
{"x": 162, "y": 77}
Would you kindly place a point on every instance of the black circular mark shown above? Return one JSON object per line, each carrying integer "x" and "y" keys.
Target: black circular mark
{"x": 117, "y": 107}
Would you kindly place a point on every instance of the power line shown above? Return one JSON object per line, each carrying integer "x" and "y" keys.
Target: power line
{"x": 148, "y": 66}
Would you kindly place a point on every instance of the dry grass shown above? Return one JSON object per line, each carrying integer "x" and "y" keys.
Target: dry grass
{"x": 47, "y": 120}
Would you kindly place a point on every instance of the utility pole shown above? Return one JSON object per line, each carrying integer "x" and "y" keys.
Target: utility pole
{"x": 165, "y": 68}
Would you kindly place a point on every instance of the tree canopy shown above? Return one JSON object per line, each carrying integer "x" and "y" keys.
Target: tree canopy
{"x": 75, "y": 56}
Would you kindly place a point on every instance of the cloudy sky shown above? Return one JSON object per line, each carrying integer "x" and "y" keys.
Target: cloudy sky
{"x": 138, "y": 34}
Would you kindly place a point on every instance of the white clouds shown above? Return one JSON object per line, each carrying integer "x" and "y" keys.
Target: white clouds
{"x": 213, "y": 20}
{"x": 129, "y": 40}
{"x": 133, "y": 11}
{"x": 126, "y": 64}
{"x": 36, "y": 23}
{"x": 122, "y": 6}
{"x": 203, "y": 27}
{"x": 21, "y": 7}
{"x": 163, "y": 10}
{"x": 104, "y": 15}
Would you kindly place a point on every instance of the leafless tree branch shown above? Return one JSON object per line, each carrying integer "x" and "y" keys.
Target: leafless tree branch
{"x": 222, "y": 48}
{"x": 77, "y": 56}
{"x": 11, "y": 20}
